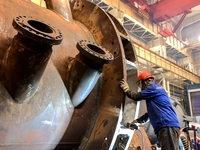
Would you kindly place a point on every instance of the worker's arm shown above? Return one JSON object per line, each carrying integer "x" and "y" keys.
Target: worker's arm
{"x": 133, "y": 95}
{"x": 125, "y": 87}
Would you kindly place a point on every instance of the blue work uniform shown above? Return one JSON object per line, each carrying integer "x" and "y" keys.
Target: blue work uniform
{"x": 159, "y": 107}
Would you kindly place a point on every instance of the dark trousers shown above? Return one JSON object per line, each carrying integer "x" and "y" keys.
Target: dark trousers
{"x": 168, "y": 138}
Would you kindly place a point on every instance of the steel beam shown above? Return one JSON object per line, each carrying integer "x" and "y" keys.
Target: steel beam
{"x": 154, "y": 58}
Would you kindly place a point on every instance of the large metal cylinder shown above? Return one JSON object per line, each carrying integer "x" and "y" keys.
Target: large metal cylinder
{"x": 46, "y": 118}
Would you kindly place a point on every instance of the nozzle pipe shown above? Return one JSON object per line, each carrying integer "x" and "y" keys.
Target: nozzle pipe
{"x": 85, "y": 86}
{"x": 27, "y": 57}
{"x": 88, "y": 64}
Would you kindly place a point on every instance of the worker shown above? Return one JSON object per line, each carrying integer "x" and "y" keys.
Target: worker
{"x": 159, "y": 110}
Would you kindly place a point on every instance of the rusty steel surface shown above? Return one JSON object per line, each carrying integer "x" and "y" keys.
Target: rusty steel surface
{"x": 49, "y": 116}
{"x": 129, "y": 49}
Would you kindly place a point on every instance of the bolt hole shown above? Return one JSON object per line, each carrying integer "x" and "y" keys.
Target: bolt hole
{"x": 112, "y": 43}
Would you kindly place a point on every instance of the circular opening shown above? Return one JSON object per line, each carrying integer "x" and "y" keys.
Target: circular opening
{"x": 96, "y": 49}
{"x": 40, "y": 26}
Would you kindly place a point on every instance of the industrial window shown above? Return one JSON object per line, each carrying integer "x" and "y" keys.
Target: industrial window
{"x": 195, "y": 102}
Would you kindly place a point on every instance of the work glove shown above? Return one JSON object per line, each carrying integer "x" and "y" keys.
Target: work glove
{"x": 131, "y": 126}
{"x": 143, "y": 118}
{"x": 124, "y": 85}
{"x": 127, "y": 125}
{"x": 134, "y": 121}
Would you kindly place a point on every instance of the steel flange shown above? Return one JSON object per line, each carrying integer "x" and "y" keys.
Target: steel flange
{"x": 37, "y": 30}
{"x": 94, "y": 52}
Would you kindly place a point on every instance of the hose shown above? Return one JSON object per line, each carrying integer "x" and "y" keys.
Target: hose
{"x": 185, "y": 142}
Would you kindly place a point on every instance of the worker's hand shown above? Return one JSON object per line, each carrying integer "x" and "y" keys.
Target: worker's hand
{"x": 127, "y": 125}
{"x": 131, "y": 125}
{"x": 124, "y": 85}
